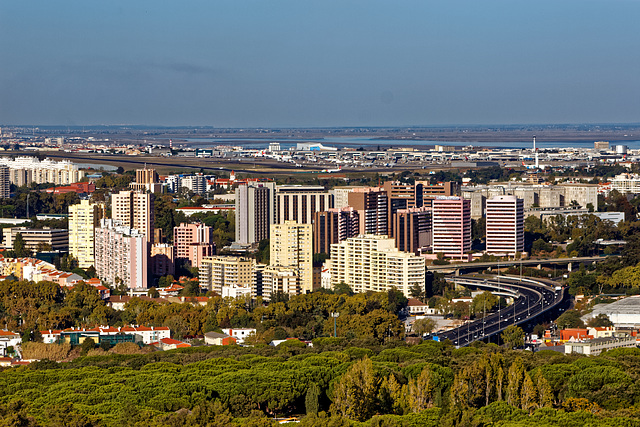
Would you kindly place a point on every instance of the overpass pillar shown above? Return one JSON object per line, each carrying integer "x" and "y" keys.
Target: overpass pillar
{"x": 570, "y": 267}
{"x": 539, "y": 266}
{"x": 457, "y": 272}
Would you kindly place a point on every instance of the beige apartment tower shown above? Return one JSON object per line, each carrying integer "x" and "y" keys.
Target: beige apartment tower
{"x": 134, "y": 210}
{"x": 291, "y": 246}
{"x": 83, "y": 220}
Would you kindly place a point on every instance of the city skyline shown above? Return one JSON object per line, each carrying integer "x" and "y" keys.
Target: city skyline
{"x": 328, "y": 64}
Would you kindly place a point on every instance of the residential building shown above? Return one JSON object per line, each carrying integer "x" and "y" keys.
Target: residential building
{"x": 121, "y": 255}
{"x": 240, "y": 334}
{"x": 505, "y": 226}
{"x": 626, "y": 183}
{"x": 162, "y": 259}
{"x": 372, "y": 206}
{"x": 84, "y": 217}
{"x": 333, "y": 226}
{"x": 451, "y": 226}
{"x": 299, "y": 202}
{"x": 412, "y": 229}
{"x": 278, "y": 279}
{"x": 134, "y": 210}
{"x": 5, "y": 182}
{"x": 291, "y": 247}
{"x": 255, "y": 212}
{"x": 219, "y": 272}
{"x": 38, "y": 239}
{"x": 197, "y": 184}
{"x": 193, "y": 242}
{"x": 372, "y": 263}
{"x": 24, "y": 170}
{"x": 401, "y": 196}
{"x": 146, "y": 181}
{"x": 595, "y": 346}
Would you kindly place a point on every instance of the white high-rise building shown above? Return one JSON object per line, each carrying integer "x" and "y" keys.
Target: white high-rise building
{"x": 134, "y": 210}
{"x": 451, "y": 226}
{"x": 372, "y": 263}
{"x": 505, "y": 225}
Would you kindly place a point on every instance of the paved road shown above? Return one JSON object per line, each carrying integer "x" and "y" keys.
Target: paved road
{"x": 483, "y": 265}
{"x": 534, "y": 298}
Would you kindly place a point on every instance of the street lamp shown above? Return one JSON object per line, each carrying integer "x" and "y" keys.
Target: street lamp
{"x": 335, "y": 316}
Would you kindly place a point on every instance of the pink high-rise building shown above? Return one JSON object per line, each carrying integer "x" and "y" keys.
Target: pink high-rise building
{"x": 121, "y": 255}
{"x": 193, "y": 242}
{"x": 505, "y": 225}
{"x": 451, "y": 226}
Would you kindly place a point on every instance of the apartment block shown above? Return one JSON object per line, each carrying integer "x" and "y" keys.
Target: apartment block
{"x": 299, "y": 202}
{"x": 341, "y": 196}
{"x": 279, "y": 279}
{"x": 451, "y": 226}
{"x": 193, "y": 242}
{"x": 372, "y": 263}
{"x": 5, "y": 182}
{"x": 121, "y": 255}
{"x": 505, "y": 226}
{"x": 291, "y": 246}
{"x": 84, "y": 217}
{"x": 372, "y": 206}
{"x": 412, "y": 230}
{"x": 134, "y": 210}
{"x": 24, "y": 170}
{"x": 255, "y": 212}
{"x": 333, "y": 226}
{"x": 219, "y": 272}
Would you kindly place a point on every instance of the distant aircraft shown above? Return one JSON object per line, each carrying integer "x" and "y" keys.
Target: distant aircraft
{"x": 331, "y": 170}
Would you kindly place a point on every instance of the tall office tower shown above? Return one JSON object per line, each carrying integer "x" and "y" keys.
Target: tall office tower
{"x": 162, "y": 259}
{"x": 402, "y": 196}
{"x": 254, "y": 212}
{"x": 147, "y": 181}
{"x": 299, "y": 202}
{"x": 83, "y": 219}
{"x": 451, "y": 226}
{"x": 505, "y": 225}
{"x": 219, "y": 272}
{"x": 121, "y": 255}
{"x": 5, "y": 182}
{"x": 372, "y": 206}
{"x": 193, "y": 242}
{"x": 430, "y": 192}
{"x": 372, "y": 263}
{"x": 412, "y": 229}
{"x": 146, "y": 176}
{"x": 333, "y": 226}
{"x": 134, "y": 210}
{"x": 291, "y": 246}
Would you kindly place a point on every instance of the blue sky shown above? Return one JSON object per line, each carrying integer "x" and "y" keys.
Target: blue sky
{"x": 278, "y": 63}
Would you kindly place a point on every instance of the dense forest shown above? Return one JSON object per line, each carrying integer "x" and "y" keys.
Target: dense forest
{"x": 337, "y": 382}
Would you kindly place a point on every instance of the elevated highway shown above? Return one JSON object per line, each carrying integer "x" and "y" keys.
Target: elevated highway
{"x": 469, "y": 266}
{"x": 532, "y": 297}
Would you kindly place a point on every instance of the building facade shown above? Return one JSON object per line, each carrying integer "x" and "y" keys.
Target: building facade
{"x": 291, "y": 246}
{"x": 162, "y": 259}
{"x": 134, "y": 210}
{"x": 451, "y": 226}
{"x": 193, "y": 242}
{"x": 372, "y": 263}
{"x": 299, "y": 202}
{"x": 372, "y": 206}
{"x": 505, "y": 226}
{"x": 35, "y": 239}
{"x": 219, "y": 272}
{"x": 84, "y": 217}
{"x": 412, "y": 230}
{"x": 333, "y": 226}
{"x": 121, "y": 255}
{"x": 254, "y": 212}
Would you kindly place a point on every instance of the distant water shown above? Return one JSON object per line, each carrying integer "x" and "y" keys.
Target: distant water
{"x": 371, "y": 143}
{"x": 96, "y": 166}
